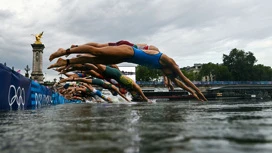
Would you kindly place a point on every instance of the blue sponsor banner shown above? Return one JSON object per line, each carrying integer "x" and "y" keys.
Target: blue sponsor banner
{"x": 15, "y": 89}
{"x": 40, "y": 95}
{"x": 19, "y": 92}
{"x": 58, "y": 99}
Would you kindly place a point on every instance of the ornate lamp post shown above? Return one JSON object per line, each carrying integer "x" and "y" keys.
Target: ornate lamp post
{"x": 37, "y": 60}
{"x": 27, "y": 69}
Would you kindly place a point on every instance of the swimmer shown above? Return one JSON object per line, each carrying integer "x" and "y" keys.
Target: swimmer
{"x": 100, "y": 83}
{"x": 125, "y": 53}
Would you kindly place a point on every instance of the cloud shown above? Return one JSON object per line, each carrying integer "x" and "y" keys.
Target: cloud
{"x": 188, "y": 31}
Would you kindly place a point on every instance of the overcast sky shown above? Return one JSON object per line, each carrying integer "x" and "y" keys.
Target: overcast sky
{"x": 189, "y": 31}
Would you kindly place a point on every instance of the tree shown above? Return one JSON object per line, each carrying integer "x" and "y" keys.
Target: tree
{"x": 207, "y": 70}
{"x": 262, "y": 73}
{"x": 144, "y": 73}
{"x": 240, "y": 64}
{"x": 222, "y": 73}
{"x": 191, "y": 75}
{"x": 216, "y": 72}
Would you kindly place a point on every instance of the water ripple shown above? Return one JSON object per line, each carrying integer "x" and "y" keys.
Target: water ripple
{"x": 176, "y": 126}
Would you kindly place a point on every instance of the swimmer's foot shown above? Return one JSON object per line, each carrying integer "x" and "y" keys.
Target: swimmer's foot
{"x": 60, "y": 52}
{"x": 73, "y": 46}
{"x": 70, "y": 79}
{"x": 60, "y": 62}
{"x": 62, "y": 72}
{"x": 65, "y": 69}
{"x": 60, "y": 69}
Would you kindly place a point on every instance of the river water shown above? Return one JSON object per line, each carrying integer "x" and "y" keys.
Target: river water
{"x": 166, "y": 126}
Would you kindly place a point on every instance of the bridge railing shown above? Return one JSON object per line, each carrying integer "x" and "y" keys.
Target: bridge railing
{"x": 160, "y": 83}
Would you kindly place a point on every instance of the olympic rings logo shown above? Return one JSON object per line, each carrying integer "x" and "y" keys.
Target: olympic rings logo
{"x": 19, "y": 95}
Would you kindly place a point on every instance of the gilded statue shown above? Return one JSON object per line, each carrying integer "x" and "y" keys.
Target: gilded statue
{"x": 38, "y": 38}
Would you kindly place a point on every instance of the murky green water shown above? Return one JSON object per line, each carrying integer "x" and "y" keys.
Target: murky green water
{"x": 186, "y": 126}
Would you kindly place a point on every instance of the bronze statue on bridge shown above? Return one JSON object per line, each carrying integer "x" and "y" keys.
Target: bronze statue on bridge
{"x": 38, "y": 38}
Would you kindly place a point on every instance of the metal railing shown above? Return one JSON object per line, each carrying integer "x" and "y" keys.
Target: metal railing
{"x": 158, "y": 83}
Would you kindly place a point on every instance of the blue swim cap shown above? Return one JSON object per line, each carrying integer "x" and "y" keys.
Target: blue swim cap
{"x": 114, "y": 93}
{"x": 66, "y": 86}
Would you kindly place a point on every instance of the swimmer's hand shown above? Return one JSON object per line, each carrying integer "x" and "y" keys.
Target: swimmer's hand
{"x": 151, "y": 101}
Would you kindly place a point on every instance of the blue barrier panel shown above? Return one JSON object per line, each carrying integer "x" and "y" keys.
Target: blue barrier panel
{"x": 18, "y": 91}
{"x": 40, "y": 95}
{"x": 58, "y": 99}
{"x": 15, "y": 89}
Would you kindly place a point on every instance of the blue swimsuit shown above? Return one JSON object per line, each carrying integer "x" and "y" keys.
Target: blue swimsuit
{"x": 81, "y": 75}
{"x": 142, "y": 58}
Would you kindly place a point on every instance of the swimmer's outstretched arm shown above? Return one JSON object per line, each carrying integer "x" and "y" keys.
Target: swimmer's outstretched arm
{"x": 97, "y": 92}
{"x": 89, "y": 81}
{"x": 119, "y": 93}
{"x": 137, "y": 88}
{"x": 167, "y": 83}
